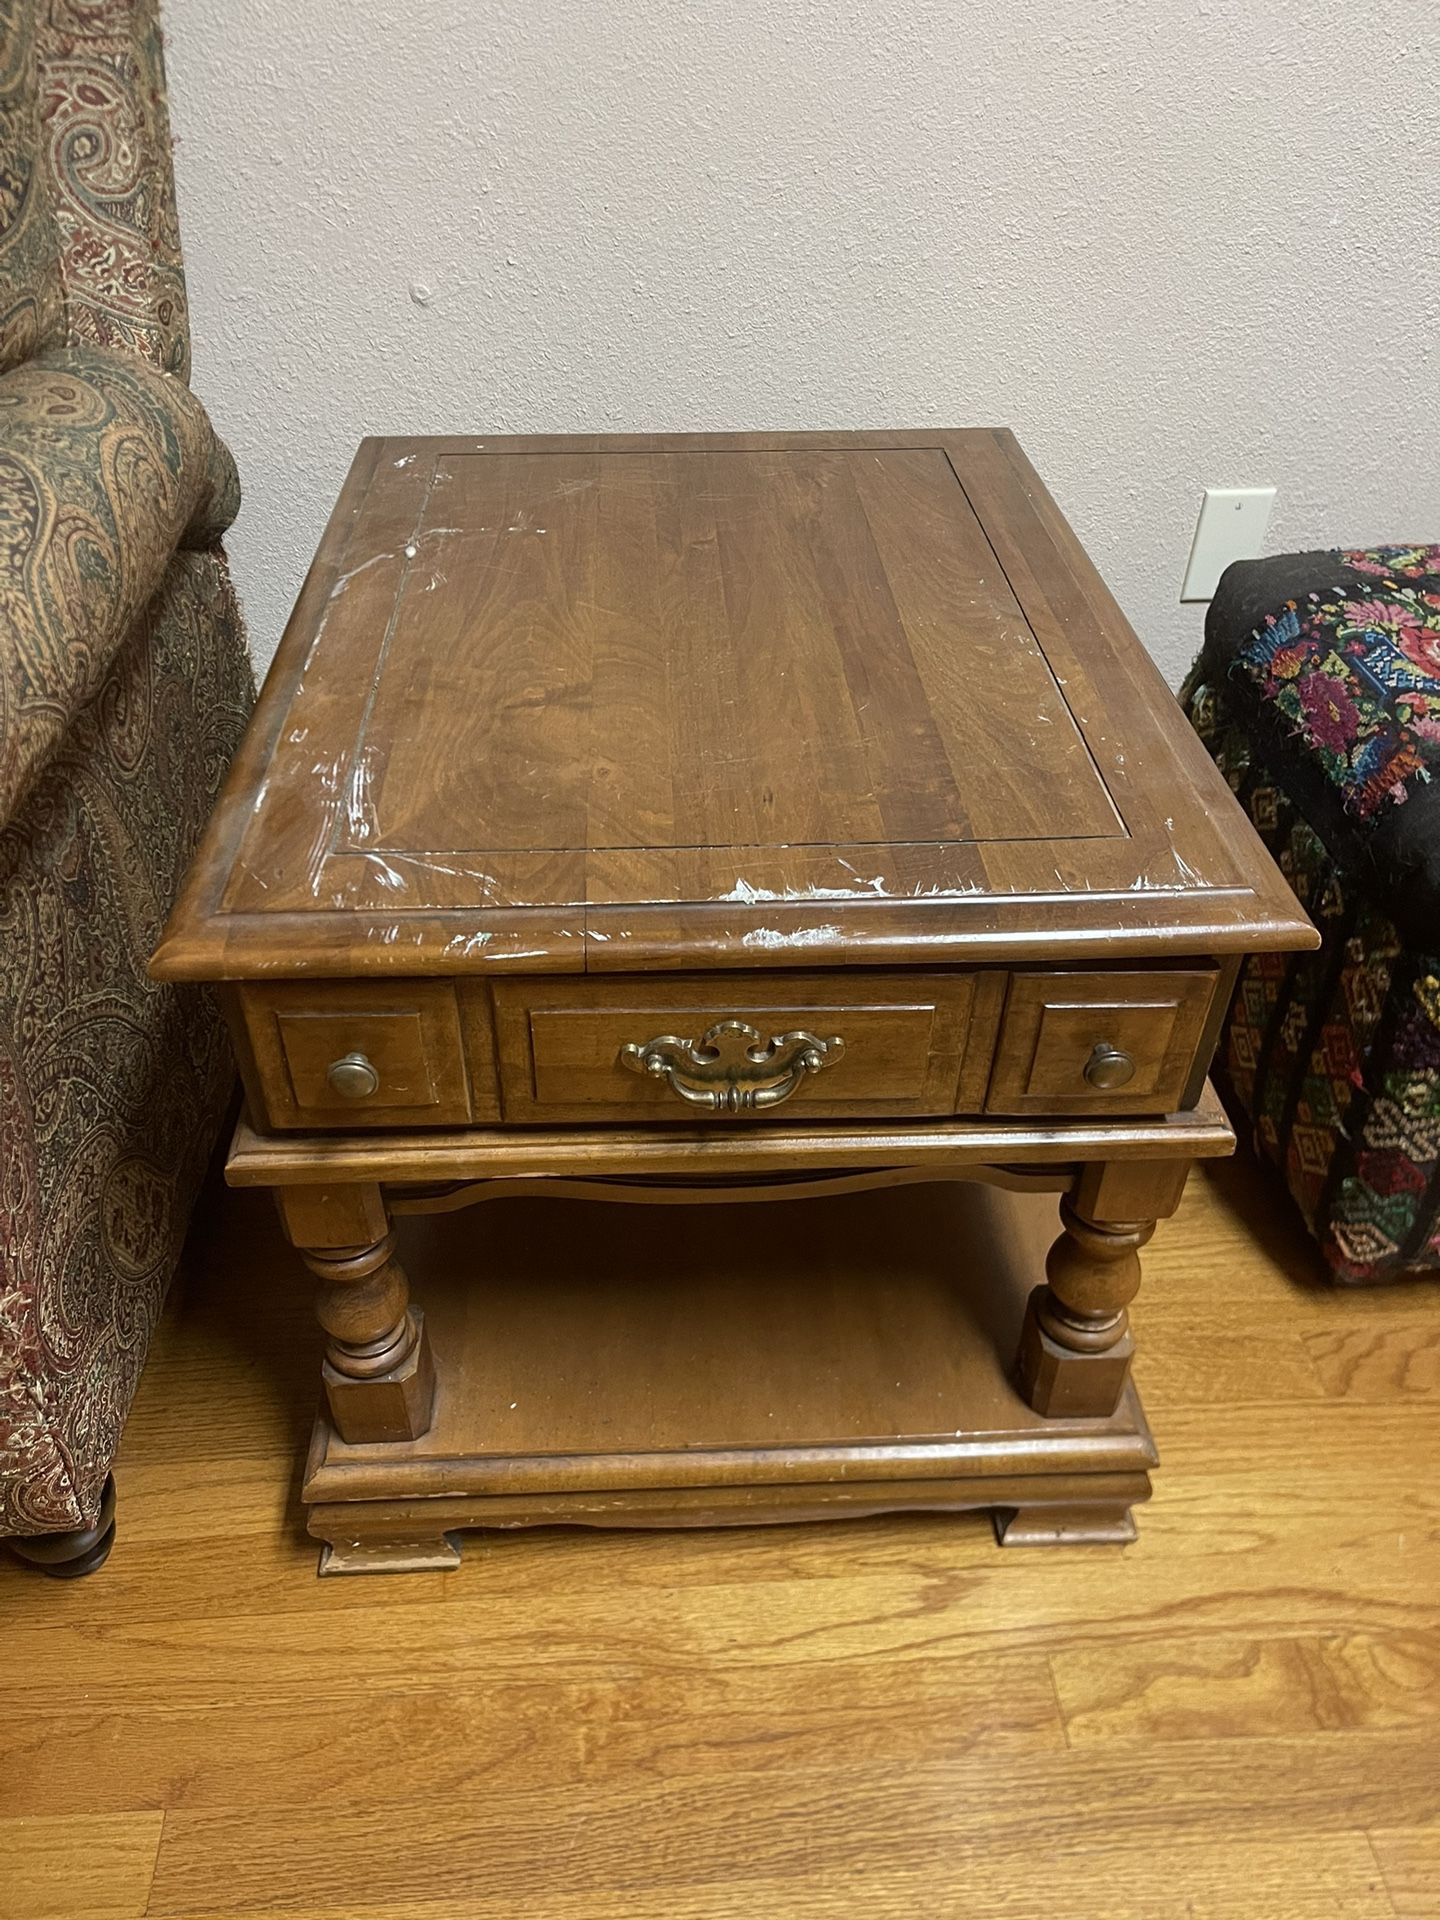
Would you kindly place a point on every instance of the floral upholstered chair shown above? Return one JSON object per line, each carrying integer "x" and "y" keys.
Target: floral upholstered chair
{"x": 124, "y": 686}
{"x": 1318, "y": 693}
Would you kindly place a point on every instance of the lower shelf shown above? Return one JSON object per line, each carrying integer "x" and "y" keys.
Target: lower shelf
{"x": 672, "y": 1366}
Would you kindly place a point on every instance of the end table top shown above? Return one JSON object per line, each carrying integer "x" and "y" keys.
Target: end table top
{"x": 598, "y": 702}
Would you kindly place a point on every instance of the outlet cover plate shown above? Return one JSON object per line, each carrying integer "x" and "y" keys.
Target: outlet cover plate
{"x": 1231, "y": 526}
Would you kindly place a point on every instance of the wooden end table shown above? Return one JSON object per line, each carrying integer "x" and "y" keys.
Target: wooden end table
{"x": 712, "y": 818}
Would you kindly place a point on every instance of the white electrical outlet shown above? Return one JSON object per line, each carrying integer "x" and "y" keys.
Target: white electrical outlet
{"x": 1231, "y": 526}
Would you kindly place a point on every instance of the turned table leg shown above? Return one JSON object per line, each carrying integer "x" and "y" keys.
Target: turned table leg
{"x": 378, "y": 1374}
{"x": 1075, "y": 1346}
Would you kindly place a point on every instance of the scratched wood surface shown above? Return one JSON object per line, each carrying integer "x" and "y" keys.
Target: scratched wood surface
{"x": 625, "y": 703}
{"x": 1238, "y": 1718}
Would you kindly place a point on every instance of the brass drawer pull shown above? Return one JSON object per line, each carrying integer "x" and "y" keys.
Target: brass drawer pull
{"x": 353, "y": 1077}
{"x": 733, "y": 1069}
{"x": 1109, "y": 1067}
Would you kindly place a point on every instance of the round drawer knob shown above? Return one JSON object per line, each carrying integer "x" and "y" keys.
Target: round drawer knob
{"x": 353, "y": 1078}
{"x": 1109, "y": 1067}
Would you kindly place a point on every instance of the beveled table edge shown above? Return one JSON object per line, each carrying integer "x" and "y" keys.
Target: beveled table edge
{"x": 702, "y": 937}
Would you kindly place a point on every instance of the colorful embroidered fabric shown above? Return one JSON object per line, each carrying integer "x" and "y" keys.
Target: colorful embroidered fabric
{"x": 1335, "y": 657}
{"x": 124, "y": 688}
{"x": 1332, "y": 1059}
{"x": 1360, "y": 679}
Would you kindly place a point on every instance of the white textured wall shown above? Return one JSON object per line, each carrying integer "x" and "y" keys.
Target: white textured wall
{"x": 1171, "y": 242}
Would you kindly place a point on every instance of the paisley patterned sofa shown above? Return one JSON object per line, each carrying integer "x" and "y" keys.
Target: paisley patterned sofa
{"x": 1318, "y": 693}
{"x": 124, "y": 686}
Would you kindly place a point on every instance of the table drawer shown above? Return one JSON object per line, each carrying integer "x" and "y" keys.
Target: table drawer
{"x": 1122, "y": 1042}
{"x": 742, "y": 1047}
{"x": 344, "y": 1054}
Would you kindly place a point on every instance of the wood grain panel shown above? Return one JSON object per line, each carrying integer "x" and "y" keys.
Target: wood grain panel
{"x": 846, "y": 707}
{"x": 488, "y": 687}
{"x": 99, "y": 1865}
{"x": 1016, "y": 756}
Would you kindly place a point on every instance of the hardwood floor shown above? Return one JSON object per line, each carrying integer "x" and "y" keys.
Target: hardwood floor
{"x": 1237, "y": 1719}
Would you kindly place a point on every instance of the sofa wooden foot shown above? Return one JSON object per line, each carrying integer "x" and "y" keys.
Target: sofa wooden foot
{"x": 77, "y": 1551}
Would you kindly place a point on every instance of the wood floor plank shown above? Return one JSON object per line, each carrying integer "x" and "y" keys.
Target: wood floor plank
{"x": 452, "y": 1742}
{"x": 1331, "y": 1447}
{"x": 237, "y": 1348}
{"x": 1391, "y": 1361}
{"x": 1225, "y": 1547}
{"x": 1218, "y": 1542}
{"x": 1183, "y": 1880}
{"x": 615, "y": 1637}
{"x": 1180, "y": 1363}
{"x": 1410, "y": 1862}
{"x": 264, "y": 1564}
{"x": 1195, "y": 1689}
{"x": 650, "y": 1835}
{"x": 894, "y": 1615}
{"x": 90, "y": 1868}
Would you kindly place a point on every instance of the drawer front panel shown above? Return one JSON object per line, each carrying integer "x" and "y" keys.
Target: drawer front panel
{"x": 908, "y": 1046}
{"x": 1077, "y": 1043}
{"x": 343, "y": 1054}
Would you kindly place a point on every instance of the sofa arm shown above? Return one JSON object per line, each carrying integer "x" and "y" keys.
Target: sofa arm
{"x": 106, "y": 466}
{"x": 1332, "y": 659}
